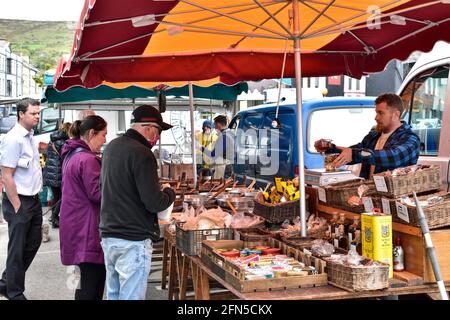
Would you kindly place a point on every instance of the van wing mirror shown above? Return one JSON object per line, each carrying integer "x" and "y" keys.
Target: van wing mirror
{"x": 276, "y": 124}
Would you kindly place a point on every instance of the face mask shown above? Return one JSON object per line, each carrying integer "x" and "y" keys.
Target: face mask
{"x": 153, "y": 141}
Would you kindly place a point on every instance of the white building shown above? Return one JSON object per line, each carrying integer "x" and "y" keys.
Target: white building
{"x": 16, "y": 74}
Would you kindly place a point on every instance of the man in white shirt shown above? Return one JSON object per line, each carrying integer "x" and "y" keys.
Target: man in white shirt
{"x": 22, "y": 181}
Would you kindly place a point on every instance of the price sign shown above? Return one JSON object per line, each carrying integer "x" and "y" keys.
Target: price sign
{"x": 402, "y": 211}
{"x": 386, "y": 206}
{"x": 368, "y": 204}
{"x": 380, "y": 183}
{"x": 322, "y": 195}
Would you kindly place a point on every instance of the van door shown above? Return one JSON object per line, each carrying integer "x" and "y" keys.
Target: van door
{"x": 276, "y": 147}
{"x": 246, "y": 143}
{"x": 426, "y": 97}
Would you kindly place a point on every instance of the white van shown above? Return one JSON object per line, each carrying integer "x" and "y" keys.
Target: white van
{"x": 425, "y": 92}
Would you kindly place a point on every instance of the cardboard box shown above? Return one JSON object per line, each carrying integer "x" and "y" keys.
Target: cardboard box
{"x": 377, "y": 238}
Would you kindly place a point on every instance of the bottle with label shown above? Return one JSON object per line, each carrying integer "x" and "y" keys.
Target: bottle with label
{"x": 332, "y": 227}
{"x": 343, "y": 240}
{"x": 399, "y": 256}
{"x": 343, "y": 223}
{"x": 356, "y": 225}
{"x": 356, "y": 242}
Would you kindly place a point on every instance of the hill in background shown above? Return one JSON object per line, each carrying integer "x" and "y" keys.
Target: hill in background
{"x": 43, "y": 41}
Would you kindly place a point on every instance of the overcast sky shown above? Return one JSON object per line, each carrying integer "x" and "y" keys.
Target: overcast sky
{"x": 44, "y": 10}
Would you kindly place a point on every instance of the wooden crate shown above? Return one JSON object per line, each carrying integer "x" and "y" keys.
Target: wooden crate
{"x": 176, "y": 171}
{"x": 234, "y": 275}
{"x": 416, "y": 258}
{"x": 413, "y": 243}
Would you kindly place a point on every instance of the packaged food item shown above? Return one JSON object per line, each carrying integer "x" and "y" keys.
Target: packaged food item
{"x": 328, "y": 161}
{"x": 377, "y": 237}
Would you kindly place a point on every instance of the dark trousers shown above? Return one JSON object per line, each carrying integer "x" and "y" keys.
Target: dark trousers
{"x": 56, "y": 191}
{"x": 92, "y": 282}
{"x": 25, "y": 236}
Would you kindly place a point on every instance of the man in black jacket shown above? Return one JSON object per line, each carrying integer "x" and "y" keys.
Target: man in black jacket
{"x": 131, "y": 199}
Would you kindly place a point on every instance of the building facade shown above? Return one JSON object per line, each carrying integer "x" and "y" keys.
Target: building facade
{"x": 16, "y": 74}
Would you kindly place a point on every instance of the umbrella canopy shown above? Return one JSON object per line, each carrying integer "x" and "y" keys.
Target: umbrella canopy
{"x": 188, "y": 40}
{"x": 105, "y": 92}
{"x": 235, "y": 40}
{"x": 204, "y": 89}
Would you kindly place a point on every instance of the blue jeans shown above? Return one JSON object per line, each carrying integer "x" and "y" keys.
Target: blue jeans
{"x": 127, "y": 268}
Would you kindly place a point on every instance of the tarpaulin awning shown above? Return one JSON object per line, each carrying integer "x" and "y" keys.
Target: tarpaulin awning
{"x": 104, "y": 92}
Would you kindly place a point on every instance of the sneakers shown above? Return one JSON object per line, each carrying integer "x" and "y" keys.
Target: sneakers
{"x": 45, "y": 233}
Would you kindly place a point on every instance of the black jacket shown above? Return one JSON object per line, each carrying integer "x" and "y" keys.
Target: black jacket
{"x": 52, "y": 171}
{"x": 131, "y": 195}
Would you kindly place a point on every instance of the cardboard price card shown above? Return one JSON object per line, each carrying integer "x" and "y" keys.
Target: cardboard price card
{"x": 386, "y": 206}
{"x": 380, "y": 183}
{"x": 402, "y": 211}
{"x": 322, "y": 195}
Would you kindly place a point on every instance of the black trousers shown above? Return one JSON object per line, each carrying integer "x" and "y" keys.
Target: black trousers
{"x": 56, "y": 191}
{"x": 25, "y": 236}
{"x": 92, "y": 282}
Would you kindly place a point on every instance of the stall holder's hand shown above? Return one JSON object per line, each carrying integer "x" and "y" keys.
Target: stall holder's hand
{"x": 344, "y": 158}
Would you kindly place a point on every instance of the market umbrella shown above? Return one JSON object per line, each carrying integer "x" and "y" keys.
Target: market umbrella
{"x": 188, "y": 40}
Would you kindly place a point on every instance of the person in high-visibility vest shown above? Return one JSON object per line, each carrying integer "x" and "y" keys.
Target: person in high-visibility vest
{"x": 206, "y": 140}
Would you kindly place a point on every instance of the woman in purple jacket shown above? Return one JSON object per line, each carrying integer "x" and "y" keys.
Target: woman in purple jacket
{"x": 80, "y": 206}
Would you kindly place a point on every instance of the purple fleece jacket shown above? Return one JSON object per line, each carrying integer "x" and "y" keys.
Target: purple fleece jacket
{"x": 80, "y": 206}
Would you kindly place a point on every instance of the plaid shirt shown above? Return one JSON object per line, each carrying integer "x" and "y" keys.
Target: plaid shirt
{"x": 400, "y": 150}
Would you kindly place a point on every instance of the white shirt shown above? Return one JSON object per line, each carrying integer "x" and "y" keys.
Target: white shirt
{"x": 19, "y": 150}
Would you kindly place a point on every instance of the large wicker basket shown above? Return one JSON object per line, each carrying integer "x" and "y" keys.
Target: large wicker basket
{"x": 437, "y": 215}
{"x": 425, "y": 179}
{"x": 360, "y": 278}
{"x": 252, "y": 236}
{"x": 276, "y": 213}
{"x": 337, "y": 194}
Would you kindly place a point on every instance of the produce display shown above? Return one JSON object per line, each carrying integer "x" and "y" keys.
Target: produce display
{"x": 404, "y": 171}
{"x": 264, "y": 262}
{"x": 282, "y": 191}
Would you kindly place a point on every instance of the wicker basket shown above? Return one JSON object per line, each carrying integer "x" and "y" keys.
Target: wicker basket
{"x": 252, "y": 236}
{"x": 437, "y": 215}
{"x": 337, "y": 194}
{"x": 425, "y": 179}
{"x": 277, "y": 213}
{"x": 360, "y": 278}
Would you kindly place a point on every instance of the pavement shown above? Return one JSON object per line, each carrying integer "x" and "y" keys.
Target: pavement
{"x": 48, "y": 279}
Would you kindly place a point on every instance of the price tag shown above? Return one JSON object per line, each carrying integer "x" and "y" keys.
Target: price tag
{"x": 368, "y": 204}
{"x": 380, "y": 183}
{"x": 322, "y": 195}
{"x": 386, "y": 206}
{"x": 402, "y": 211}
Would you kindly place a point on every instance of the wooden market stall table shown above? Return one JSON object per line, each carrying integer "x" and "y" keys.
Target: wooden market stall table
{"x": 177, "y": 270}
{"x": 418, "y": 268}
{"x": 314, "y": 293}
{"x": 182, "y": 266}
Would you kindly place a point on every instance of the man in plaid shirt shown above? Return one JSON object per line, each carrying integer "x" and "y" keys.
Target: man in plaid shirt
{"x": 392, "y": 144}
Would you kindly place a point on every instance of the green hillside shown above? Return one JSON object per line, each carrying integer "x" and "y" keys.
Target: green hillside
{"x": 43, "y": 41}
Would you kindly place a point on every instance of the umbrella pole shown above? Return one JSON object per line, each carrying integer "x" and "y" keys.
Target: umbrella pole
{"x": 298, "y": 87}
{"x": 191, "y": 111}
